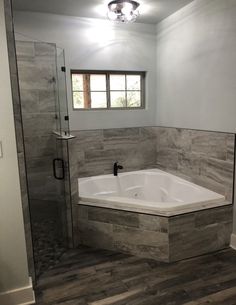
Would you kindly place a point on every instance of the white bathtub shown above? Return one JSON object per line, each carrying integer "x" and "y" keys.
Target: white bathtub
{"x": 148, "y": 191}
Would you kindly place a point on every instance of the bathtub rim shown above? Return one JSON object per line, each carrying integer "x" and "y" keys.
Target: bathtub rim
{"x": 149, "y": 211}
{"x": 132, "y": 205}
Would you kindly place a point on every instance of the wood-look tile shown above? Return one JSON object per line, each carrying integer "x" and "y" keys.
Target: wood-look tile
{"x": 87, "y": 276}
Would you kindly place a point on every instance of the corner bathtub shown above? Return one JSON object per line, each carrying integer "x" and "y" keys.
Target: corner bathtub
{"x": 152, "y": 214}
{"x": 147, "y": 191}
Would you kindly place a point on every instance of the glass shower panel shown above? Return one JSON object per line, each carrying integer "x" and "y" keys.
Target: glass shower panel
{"x": 62, "y": 135}
{"x": 42, "y": 87}
{"x": 62, "y": 106}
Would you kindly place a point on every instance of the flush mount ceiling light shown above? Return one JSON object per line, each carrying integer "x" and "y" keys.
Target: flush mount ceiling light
{"x": 123, "y": 11}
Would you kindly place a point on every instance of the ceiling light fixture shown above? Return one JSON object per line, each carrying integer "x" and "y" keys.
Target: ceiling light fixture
{"x": 123, "y": 11}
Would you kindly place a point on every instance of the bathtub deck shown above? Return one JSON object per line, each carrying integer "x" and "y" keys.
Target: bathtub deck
{"x": 166, "y": 239}
{"x": 99, "y": 277}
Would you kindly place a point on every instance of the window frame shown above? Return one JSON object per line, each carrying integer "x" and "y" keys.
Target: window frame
{"x": 108, "y": 73}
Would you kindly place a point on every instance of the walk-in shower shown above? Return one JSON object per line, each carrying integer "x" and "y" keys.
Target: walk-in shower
{"x": 42, "y": 86}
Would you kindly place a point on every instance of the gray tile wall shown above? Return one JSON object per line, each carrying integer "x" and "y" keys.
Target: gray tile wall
{"x": 38, "y": 92}
{"x": 205, "y": 158}
{"x": 165, "y": 239}
{"x": 94, "y": 152}
{"x": 71, "y": 196}
{"x": 37, "y": 68}
{"x": 37, "y": 81}
{"x": 138, "y": 234}
{"x": 200, "y": 232}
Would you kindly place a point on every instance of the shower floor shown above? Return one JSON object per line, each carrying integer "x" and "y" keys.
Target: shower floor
{"x": 47, "y": 235}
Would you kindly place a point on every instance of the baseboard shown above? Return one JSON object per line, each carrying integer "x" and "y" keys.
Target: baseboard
{"x": 233, "y": 241}
{"x": 20, "y": 296}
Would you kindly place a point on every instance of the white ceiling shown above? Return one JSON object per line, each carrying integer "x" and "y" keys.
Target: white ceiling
{"x": 152, "y": 11}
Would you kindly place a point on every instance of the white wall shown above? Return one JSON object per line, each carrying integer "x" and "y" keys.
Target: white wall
{"x": 196, "y": 67}
{"x": 98, "y": 44}
{"x": 13, "y": 258}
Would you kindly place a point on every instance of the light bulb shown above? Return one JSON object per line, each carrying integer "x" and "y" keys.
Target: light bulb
{"x": 112, "y": 16}
{"x": 129, "y": 17}
{"x": 113, "y": 7}
{"x": 127, "y": 8}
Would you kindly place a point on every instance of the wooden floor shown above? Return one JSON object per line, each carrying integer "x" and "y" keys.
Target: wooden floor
{"x": 99, "y": 277}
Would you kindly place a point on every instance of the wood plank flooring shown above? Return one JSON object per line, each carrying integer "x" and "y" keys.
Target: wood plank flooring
{"x": 88, "y": 276}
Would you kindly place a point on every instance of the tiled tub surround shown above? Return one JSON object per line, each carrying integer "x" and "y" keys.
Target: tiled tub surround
{"x": 166, "y": 239}
{"x": 205, "y": 158}
{"x": 152, "y": 214}
{"x": 93, "y": 152}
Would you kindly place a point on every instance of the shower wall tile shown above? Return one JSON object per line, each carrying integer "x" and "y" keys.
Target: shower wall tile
{"x": 73, "y": 157}
{"x": 29, "y": 101}
{"x": 36, "y": 78}
{"x": 25, "y": 50}
{"x": 39, "y": 146}
{"x": 46, "y": 101}
{"x": 70, "y": 195}
{"x": 205, "y": 158}
{"x": 37, "y": 101}
{"x": 38, "y": 124}
{"x": 37, "y": 82}
{"x": 45, "y": 50}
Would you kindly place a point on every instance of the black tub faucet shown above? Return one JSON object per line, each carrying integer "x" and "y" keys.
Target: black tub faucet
{"x": 116, "y": 166}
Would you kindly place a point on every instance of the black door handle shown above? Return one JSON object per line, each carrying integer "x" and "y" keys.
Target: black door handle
{"x": 55, "y": 162}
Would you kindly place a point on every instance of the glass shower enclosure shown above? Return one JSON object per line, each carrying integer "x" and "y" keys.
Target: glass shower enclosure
{"x": 42, "y": 85}
{"x": 61, "y": 104}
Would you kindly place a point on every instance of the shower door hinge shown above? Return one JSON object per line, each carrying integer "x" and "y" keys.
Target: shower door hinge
{"x": 63, "y": 69}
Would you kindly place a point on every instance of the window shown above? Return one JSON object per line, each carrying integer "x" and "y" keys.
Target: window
{"x": 107, "y": 90}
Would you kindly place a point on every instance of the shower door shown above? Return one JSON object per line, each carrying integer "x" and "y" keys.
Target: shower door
{"x": 62, "y": 105}
{"x": 62, "y": 137}
{"x": 44, "y": 111}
